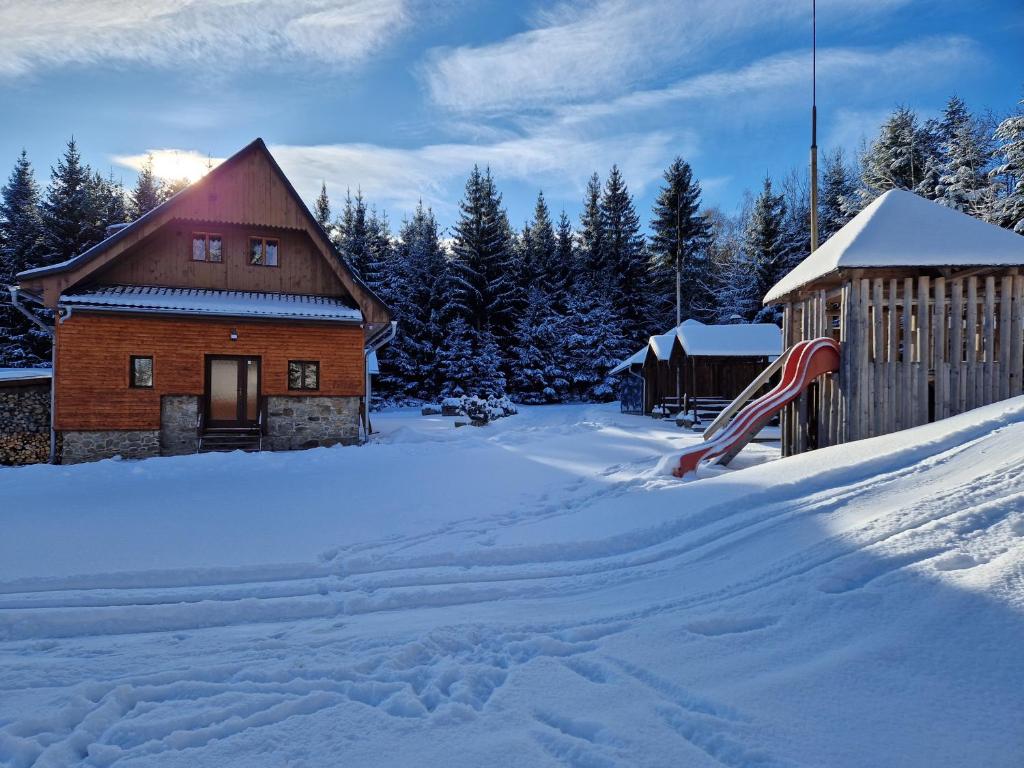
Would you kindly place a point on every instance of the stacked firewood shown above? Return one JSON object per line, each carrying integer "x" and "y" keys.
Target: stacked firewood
{"x": 24, "y": 448}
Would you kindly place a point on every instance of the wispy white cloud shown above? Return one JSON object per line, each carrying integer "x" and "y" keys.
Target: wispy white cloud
{"x": 585, "y": 50}
{"x": 787, "y": 74}
{"x": 398, "y": 178}
{"x": 220, "y": 33}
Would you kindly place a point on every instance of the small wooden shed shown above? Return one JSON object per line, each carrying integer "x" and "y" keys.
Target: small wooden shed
{"x": 698, "y": 362}
{"x": 928, "y": 306}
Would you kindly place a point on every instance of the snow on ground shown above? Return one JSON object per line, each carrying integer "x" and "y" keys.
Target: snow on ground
{"x": 530, "y": 593}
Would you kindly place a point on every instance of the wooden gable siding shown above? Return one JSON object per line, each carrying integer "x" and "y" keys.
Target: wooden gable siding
{"x": 165, "y": 259}
{"x": 93, "y": 352}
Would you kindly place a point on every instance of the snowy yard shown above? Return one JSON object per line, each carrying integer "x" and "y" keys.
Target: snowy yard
{"x": 535, "y": 592}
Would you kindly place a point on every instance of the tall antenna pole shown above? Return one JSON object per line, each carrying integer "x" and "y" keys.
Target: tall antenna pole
{"x": 814, "y": 126}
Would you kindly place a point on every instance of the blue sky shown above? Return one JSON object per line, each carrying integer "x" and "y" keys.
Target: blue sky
{"x": 402, "y": 97}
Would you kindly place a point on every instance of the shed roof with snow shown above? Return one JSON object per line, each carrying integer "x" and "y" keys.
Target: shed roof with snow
{"x": 901, "y": 229}
{"x": 700, "y": 340}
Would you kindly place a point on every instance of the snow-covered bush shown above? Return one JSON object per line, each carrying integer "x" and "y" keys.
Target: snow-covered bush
{"x": 478, "y": 408}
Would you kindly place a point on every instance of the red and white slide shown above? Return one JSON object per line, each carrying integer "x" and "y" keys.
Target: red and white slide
{"x": 807, "y": 361}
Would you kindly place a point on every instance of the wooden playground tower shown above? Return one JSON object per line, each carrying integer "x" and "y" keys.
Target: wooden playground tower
{"x": 919, "y": 341}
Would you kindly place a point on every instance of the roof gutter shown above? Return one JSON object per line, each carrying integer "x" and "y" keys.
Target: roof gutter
{"x": 16, "y": 296}
{"x": 375, "y": 342}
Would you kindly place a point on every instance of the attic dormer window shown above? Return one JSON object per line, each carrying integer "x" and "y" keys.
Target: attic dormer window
{"x": 207, "y": 247}
{"x": 263, "y": 251}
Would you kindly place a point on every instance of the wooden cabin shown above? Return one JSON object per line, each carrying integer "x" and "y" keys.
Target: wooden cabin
{"x": 224, "y": 318}
{"x": 928, "y": 306}
{"x": 697, "y": 364}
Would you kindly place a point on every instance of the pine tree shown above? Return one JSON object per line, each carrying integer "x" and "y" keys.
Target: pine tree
{"x": 169, "y": 189}
{"x": 22, "y": 344}
{"x": 352, "y": 233}
{"x": 483, "y": 265}
{"x": 625, "y": 260}
{"x": 69, "y": 210}
{"x": 409, "y": 364}
{"x": 537, "y": 373}
{"x": 147, "y": 194}
{"x": 376, "y": 266}
{"x": 838, "y": 189}
{"x": 897, "y": 158}
{"x": 593, "y": 344}
{"x": 110, "y": 201}
{"x": 966, "y": 151}
{"x": 764, "y": 251}
{"x": 565, "y": 255}
{"x": 796, "y": 231}
{"x": 679, "y": 244}
{"x": 591, "y": 244}
{"x": 322, "y": 207}
{"x": 1008, "y": 208}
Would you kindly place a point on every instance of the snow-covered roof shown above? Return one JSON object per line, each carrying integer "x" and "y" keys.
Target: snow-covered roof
{"x": 738, "y": 340}
{"x": 192, "y": 301}
{"x": 661, "y": 345}
{"x": 700, "y": 340}
{"x": 637, "y": 358}
{"x": 901, "y": 229}
{"x": 24, "y": 374}
{"x": 372, "y": 367}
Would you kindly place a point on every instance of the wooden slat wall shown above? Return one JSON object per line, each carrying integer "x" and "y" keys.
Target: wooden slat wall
{"x": 914, "y": 350}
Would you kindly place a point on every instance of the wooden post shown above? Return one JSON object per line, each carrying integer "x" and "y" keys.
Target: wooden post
{"x": 907, "y": 358}
{"x": 846, "y": 351}
{"x": 956, "y": 347}
{"x": 1005, "y": 305}
{"x": 924, "y": 350}
{"x": 971, "y": 346}
{"x": 877, "y": 359}
{"x": 864, "y": 359}
{"x": 1017, "y": 337}
{"x": 989, "y": 390}
{"x": 785, "y": 426}
{"x": 941, "y": 378}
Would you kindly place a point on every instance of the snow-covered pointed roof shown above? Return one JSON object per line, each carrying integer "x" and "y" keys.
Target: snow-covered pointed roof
{"x": 901, "y": 229}
{"x": 25, "y": 374}
{"x": 192, "y": 301}
{"x": 700, "y": 340}
{"x": 637, "y": 358}
{"x": 737, "y": 340}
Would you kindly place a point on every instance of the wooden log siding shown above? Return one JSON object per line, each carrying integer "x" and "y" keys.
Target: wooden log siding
{"x": 914, "y": 350}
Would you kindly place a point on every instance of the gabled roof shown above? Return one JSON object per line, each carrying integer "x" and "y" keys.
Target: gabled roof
{"x": 700, "y": 340}
{"x": 84, "y": 263}
{"x": 196, "y": 301}
{"x": 736, "y": 340}
{"x": 901, "y": 229}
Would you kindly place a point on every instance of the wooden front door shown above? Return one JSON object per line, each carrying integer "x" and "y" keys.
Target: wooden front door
{"x": 232, "y": 391}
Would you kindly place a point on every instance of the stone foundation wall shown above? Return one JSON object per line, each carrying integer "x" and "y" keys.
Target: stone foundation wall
{"x": 178, "y": 415}
{"x": 92, "y": 446}
{"x": 25, "y": 424}
{"x": 310, "y": 422}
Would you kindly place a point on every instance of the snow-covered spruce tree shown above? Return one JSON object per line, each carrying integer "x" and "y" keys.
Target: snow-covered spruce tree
{"x": 591, "y": 251}
{"x": 483, "y": 267}
{"x": 680, "y": 233}
{"x": 409, "y": 364}
{"x": 1008, "y": 208}
{"x": 148, "y": 193}
{"x": 538, "y": 353}
{"x": 469, "y": 362}
{"x": 378, "y": 256}
{"x": 111, "y": 201}
{"x": 764, "y": 249}
{"x": 838, "y": 190}
{"x": 352, "y": 234}
{"x": 897, "y": 158}
{"x": 22, "y": 344}
{"x": 322, "y": 207}
{"x": 541, "y": 264}
{"x": 565, "y": 257}
{"x": 71, "y": 222}
{"x": 965, "y": 146}
{"x": 593, "y": 344}
{"x": 169, "y": 189}
{"x": 731, "y": 275}
{"x": 625, "y": 260}
{"x": 796, "y": 226}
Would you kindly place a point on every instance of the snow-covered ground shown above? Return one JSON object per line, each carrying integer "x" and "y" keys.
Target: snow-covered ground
{"x": 535, "y": 592}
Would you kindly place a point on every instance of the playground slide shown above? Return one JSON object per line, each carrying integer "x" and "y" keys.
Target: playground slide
{"x": 807, "y": 360}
